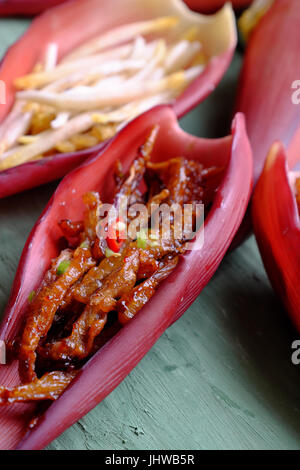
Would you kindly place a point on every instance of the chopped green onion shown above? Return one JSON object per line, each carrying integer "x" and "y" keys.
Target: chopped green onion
{"x": 85, "y": 245}
{"x": 142, "y": 238}
{"x": 62, "y": 267}
{"x": 109, "y": 253}
{"x": 31, "y": 296}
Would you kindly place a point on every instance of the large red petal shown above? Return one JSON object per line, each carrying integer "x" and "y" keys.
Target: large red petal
{"x": 277, "y": 230}
{"x": 208, "y": 6}
{"x": 70, "y": 24}
{"x": 195, "y": 269}
{"x": 265, "y": 92}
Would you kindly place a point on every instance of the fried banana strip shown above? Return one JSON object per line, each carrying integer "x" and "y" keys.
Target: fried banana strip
{"x": 93, "y": 280}
{"x": 148, "y": 264}
{"x": 130, "y": 304}
{"x": 91, "y": 215}
{"x": 80, "y": 342}
{"x": 137, "y": 171}
{"x": 49, "y": 387}
{"x": 90, "y": 324}
{"x": 43, "y": 309}
{"x": 175, "y": 175}
{"x": 118, "y": 283}
{"x": 158, "y": 198}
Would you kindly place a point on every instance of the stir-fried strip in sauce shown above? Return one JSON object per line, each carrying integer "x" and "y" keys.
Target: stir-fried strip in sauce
{"x": 79, "y": 344}
{"x": 49, "y": 387}
{"x": 129, "y": 305}
{"x": 44, "y": 307}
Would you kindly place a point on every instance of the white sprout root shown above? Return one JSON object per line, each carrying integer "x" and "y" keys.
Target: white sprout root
{"x": 107, "y": 81}
{"x": 17, "y": 122}
{"x": 89, "y": 98}
{"x": 121, "y": 34}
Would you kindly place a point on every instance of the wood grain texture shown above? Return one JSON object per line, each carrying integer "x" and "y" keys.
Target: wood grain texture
{"x": 221, "y": 378}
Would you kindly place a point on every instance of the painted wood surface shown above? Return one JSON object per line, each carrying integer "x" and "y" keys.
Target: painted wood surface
{"x": 222, "y": 377}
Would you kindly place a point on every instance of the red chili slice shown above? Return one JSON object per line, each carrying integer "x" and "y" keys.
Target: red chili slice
{"x": 116, "y": 237}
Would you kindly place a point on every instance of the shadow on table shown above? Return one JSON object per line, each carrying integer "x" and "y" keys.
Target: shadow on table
{"x": 265, "y": 333}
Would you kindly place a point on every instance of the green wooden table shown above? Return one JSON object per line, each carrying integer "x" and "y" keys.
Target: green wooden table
{"x": 221, "y": 377}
